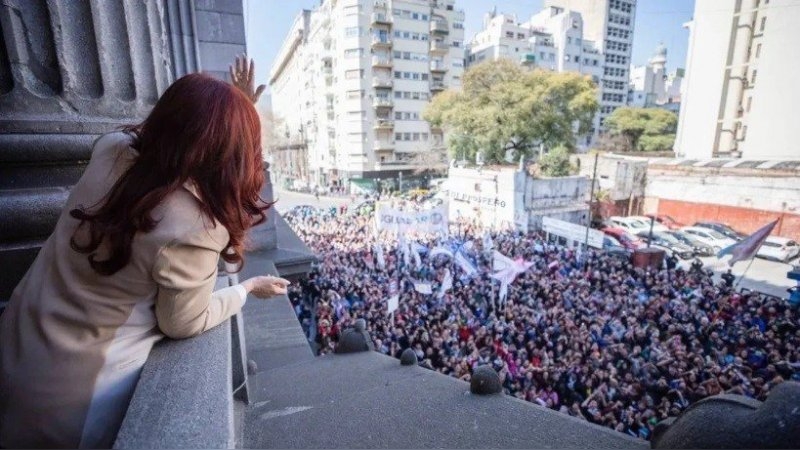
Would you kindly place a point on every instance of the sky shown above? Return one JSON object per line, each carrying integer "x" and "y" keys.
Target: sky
{"x": 268, "y": 21}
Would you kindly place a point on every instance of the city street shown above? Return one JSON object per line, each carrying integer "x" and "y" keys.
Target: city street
{"x": 764, "y": 276}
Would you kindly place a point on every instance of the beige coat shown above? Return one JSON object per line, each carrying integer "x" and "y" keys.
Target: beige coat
{"x": 72, "y": 342}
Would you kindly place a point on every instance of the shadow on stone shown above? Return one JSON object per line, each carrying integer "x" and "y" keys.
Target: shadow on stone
{"x": 485, "y": 381}
{"x": 735, "y": 421}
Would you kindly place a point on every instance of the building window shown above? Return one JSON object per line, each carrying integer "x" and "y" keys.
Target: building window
{"x": 753, "y": 77}
{"x": 353, "y": 74}
{"x": 353, "y": 53}
{"x": 763, "y": 24}
{"x": 749, "y": 103}
{"x": 352, "y": 32}
{"x": 758, "y": 51}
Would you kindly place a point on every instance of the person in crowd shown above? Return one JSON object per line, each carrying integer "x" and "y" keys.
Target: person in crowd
{"x": 585, "y": 333}
{"x": 133, "y": 259}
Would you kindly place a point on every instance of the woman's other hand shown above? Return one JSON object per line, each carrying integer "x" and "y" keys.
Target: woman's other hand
{"x": 266, "y": 286}
{"x": 243, "y": 77}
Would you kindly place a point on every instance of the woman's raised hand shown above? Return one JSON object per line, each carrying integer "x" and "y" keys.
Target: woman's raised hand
{"x": 243, "y": 77}
{"x": 266, "y": 286}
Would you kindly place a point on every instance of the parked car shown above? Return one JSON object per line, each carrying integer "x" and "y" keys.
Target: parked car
{"x": 779, "y": 249}
{"x": 671, "y": 245}
{"x": 716, "y": 240}
{"x": 667, "y": 221}
{"x": 700, "y": 249}
{"x": 723, "y": 228}
{"x": 629, "y": 224}
{"x": 627, "y": 240}
{"x": 657, "y": 226}
{"x": 614, "y": 248}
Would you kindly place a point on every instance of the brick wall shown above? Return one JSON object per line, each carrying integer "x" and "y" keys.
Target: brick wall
{"x": 746, "y": 220}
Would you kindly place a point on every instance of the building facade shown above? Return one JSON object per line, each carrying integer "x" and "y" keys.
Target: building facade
{"x": 651, "y": 86}
{"x": 350, "y": 84}
{"x": 592, "y": 37}
{"x": 507, "y": 198}
{"x": 740, "y": 94}
{"x": 610, "y": 24}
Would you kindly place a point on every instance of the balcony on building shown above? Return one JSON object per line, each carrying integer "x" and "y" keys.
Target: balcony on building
{"x": 380, "y": 82}
{"x": 437, "y": 85}
{"x": 383, "y": 102}
{"x": 438, "y": 46}
{"x": 327, "y": 71}
{"x": 326, "y": 55}
{"x": 382, "y": 41}
{"x": 439, "y": 26}
{"x": 383, "y": 145}
{"x": 383, "y": 123}
{"x": 381, "y": 18}
{"x": 438, "y": 66}
{"x": 381, "y": 61}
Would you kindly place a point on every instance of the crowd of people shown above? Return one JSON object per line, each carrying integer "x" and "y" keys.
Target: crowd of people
{"x": 585, "y": 333}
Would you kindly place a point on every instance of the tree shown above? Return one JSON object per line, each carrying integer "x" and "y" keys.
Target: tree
{"x": 644, "y": 129}
{"x": 555, "y": 163}
{"x": 503, "y": 108}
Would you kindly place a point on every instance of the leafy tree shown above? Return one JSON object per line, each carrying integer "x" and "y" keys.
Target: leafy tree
{"x": 504, "y": 108}
{"x": 555, "y": 163}
{"x": 644, "y": 129}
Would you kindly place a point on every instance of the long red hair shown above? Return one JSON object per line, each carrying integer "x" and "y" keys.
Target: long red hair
{"x": 201, "y": 130}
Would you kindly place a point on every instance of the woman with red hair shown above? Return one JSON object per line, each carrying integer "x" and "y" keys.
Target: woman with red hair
{"x": 133, "y": 258}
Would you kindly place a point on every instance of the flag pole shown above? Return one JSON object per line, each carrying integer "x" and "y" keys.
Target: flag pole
{"x": 744, "y": 273}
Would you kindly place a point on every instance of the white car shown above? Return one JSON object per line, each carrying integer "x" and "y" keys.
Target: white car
{"x": 656, "y": 226}
{"x": 778, "y": 248}
{"x": 630, "y": 224}
{"x": 713, "y": 239}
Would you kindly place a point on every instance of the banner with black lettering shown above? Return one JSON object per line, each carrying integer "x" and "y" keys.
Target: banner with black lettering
{"x": 432, "y": 220}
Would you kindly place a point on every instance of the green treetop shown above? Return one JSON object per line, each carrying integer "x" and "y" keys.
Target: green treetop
{"x": 503, "y": 107}
{"x": 644, "y": 129}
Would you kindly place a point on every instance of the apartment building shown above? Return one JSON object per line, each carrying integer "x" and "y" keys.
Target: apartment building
{"x": 740, "y": 95}
{"x": 610, "y": 24}
{"x": 351, "y": 82}
{"x": 651, "y": 86}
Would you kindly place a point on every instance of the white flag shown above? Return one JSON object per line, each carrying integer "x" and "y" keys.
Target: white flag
{"x": 447, "y": 283}
{"x": 393, "y": 303}
{"x": 415, "y": 254}
{"x": 423, "y": 288}
{"x": 465, "y": 264}
{"x": 379, "y": 258}
{"x": 439, "y": 250}
{"x": 488, "y": 244}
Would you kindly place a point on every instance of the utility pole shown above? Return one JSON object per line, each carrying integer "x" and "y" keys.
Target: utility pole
{"x": 591, "y": 201}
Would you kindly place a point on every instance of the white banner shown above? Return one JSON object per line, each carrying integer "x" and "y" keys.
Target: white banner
{"x": 426, "y": 221}
{"x": 572, "y": 231}
{"x": 423, "y": 288}
{"x": 394, "y": 303}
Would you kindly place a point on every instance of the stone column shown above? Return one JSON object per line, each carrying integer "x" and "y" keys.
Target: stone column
{"x": 71, "y": 70}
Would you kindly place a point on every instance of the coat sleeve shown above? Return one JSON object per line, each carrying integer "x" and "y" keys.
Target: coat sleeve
{"x": 186, "y": 272}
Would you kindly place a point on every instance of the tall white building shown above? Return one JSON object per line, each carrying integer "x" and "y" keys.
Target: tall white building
{"x": 608, "y": 23}
{"x": 592, "y": 37}
{"x": 352, "y": 79}
{"x": 651, "y": 86}
{"x": 741, "y": 94}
